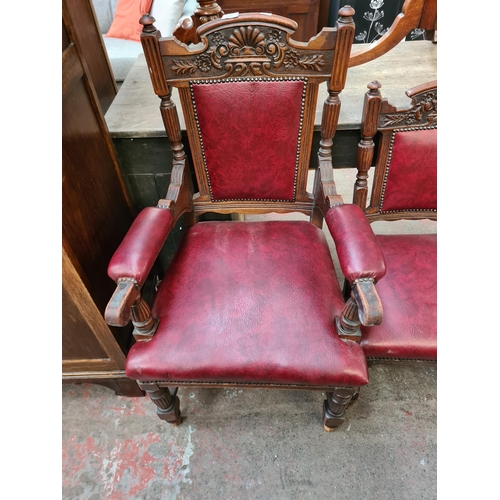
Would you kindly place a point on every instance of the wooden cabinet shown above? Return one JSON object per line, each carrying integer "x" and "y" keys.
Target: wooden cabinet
{"x": 304, "y": 12}
{"x": 87, "y": 344}
{"x": 96, "y": 214}
{"x": 87, "y": 36}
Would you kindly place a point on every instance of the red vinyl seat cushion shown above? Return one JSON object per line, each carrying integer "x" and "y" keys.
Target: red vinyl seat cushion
{"x": 250, "y": 302}
{"x": 408, "y": 292}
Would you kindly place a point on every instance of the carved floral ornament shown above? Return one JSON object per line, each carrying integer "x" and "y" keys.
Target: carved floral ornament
{"x": 248, "y": 50}
{"x": 424, "y": 111}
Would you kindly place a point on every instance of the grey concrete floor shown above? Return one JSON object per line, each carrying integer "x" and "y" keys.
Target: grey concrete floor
{"x": 259, "y": 444}
{"x": 255, "y": 444}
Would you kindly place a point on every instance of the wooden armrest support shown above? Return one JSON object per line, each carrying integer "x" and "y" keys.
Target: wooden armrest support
{"x": 118, "y": 310}
{"x": 362, "y": 308}
{"x": 369, "y": 305}
{"x": 362, "y": 262}
{"x": 133, "y": 260}
{"x": 126, "y": 304}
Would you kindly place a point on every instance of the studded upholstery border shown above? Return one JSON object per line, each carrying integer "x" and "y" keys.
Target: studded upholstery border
{"x": 413, "y": 160}
{"x": 250, "y": 136}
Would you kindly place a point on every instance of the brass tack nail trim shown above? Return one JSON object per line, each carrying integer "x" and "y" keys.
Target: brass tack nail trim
{"x": 386, "y": 173}
{"x": 198, "y": 128}
{"x": 357, "y": 280}
{"x": 133, "y": 280}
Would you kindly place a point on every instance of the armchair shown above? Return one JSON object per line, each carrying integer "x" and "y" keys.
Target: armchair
{"x": 249, "y": 303}
{"x": 404, "y": 187}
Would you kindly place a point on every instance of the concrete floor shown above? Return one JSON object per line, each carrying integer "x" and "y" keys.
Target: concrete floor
{"x": 255, "y": 444}
{"x": 258, "y": 444}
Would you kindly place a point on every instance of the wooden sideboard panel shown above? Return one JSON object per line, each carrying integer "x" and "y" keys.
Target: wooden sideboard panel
{"x": 81, "y": 343}
{"x": 91, "y": 45}
{"x": 96, "y": 214}
{"x": 306, "y": 15}
{"x": 88, "y": 345}
{"x": 304, "y": 12}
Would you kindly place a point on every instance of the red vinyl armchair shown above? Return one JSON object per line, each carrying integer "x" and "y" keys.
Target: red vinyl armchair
{"x": 249, "y": 304}
{"x": 404, "y": 187}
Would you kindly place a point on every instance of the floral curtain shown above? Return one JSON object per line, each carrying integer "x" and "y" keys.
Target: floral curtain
{"x": 374, "y": 17}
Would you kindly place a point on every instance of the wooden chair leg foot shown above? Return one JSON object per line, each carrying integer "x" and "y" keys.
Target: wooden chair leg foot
{"x": 335, "y": 405}
{"x": 172, "y": 415}
{"x": 177, "y": 422}
{"x": 354, "y": 398}
{"x": 166, "y": 400}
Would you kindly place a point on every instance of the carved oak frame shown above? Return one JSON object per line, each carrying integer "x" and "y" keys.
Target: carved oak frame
{"x": 238, "y": 46}
{"x": 251, "y": 46}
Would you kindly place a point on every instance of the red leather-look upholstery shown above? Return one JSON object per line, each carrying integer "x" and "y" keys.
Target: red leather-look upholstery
{"x": 249, "y": 133}
{"x": 142, "y": 244}
{"x": 412, "y": 178}
{"x": 250, "y": 302}
{"x": 409, "y": 298}
{"x": 359, "y": 252}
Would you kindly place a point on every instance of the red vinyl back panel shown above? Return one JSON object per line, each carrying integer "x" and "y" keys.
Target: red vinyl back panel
{"x": 412, "y": 174}
{"x": 249, "y": 131}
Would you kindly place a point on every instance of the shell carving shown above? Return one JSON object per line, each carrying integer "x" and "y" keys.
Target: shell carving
{"x": 249, "y": 50}
{"x": 247, "y": 42}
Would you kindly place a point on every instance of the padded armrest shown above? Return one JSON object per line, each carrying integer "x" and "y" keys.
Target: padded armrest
{"x": 358, "y": 249}
{"x": 136, "y": 254}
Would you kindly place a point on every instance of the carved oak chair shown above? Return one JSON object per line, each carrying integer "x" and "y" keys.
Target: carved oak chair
{"x": 249, "y": 303}
{"x": 404, "y": 187}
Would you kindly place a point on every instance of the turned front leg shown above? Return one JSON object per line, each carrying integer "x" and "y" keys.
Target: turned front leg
{"x": 166, "y": 400}
{"x": 335, "y": 405}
